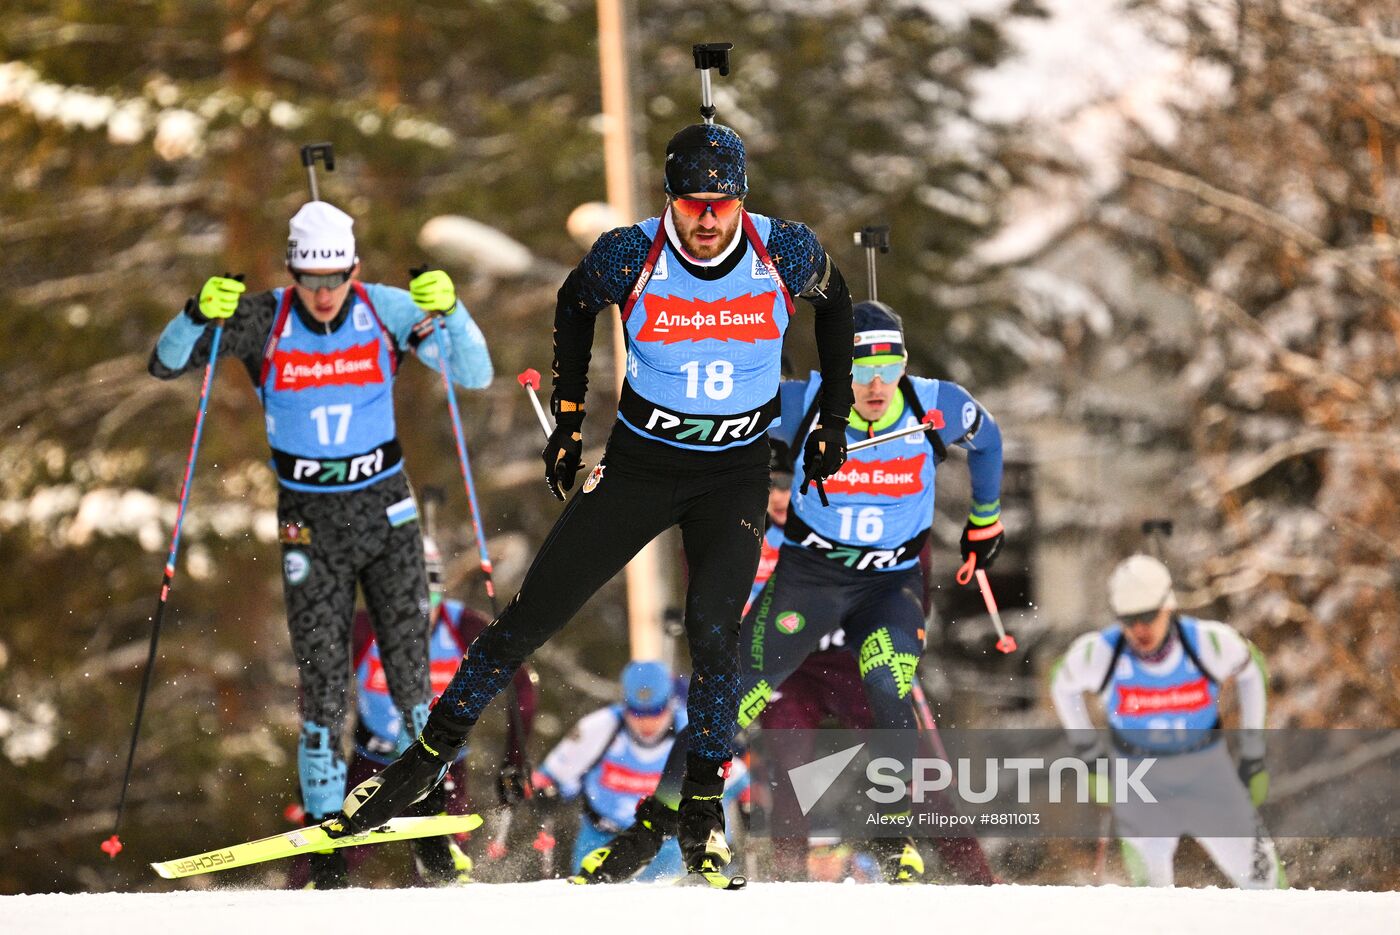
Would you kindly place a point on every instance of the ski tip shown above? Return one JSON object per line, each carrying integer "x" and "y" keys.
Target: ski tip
{"x": 713, "y": 878}
{"x": 163, "y": 871}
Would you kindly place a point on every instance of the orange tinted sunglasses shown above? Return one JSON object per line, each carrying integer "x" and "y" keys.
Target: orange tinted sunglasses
{"x": 722, "y": 208}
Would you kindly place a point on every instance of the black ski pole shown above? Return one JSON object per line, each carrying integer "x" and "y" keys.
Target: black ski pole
{"x": 872, "y": 239}
{"x": 112, "y": 846}
{"x": 1157, "y": 531}
{"x": 710, "y": 55}
{"x": 309, "y": 154}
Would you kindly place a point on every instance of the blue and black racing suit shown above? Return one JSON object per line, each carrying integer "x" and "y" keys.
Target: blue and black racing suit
{"x": 854, "y": 566}
{"x": 704, "y": 345}
{"x": 346, "y": 514}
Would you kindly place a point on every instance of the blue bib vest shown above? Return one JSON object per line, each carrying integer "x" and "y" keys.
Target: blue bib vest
{"x": 329, "y": 399}
{"x": 379, "y": 723}
{"x": 704, "y": 358}
{"x": 1172, "y": 712}
{"x": 881, "y": 499}
{"x": 624, "y": 773}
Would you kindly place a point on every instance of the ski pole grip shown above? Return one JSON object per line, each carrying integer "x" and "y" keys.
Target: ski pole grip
{"x": 323, "y": 151}
{"x": 712, "y": 55}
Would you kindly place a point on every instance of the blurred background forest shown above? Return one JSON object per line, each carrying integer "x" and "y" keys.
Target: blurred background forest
{"x": 1154, "y": 237}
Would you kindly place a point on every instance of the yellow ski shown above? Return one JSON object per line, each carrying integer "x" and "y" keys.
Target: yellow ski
{"x": 314, "y": 838}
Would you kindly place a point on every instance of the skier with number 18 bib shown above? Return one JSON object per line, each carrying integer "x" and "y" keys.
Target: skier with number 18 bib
{"x": 323, "y": 353}
{"x": 705, "y": 292}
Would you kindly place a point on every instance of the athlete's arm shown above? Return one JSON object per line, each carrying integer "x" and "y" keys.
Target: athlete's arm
{"x": 810, "y": 274}
{"x": 1229, "y": 655}
{"x": 468, "y": 360}
{"x": 572, "y": 757}
{"x": 969, "y": 426}
{"x": 1080, "y": 670}
{"x": 602, "y": 278}
{"x": 184, "y": 344}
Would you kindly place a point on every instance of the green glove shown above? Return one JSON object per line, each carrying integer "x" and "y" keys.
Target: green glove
{"x": 1256, "y": 779}
{"x": 219, "y": 297}
{"x": 432, "y": 291}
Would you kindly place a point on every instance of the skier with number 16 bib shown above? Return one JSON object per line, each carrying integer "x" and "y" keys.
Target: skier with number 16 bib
{"x": 705, "y": 292}
{"x": 323, "y": 353}
{"x": 853, "y": 566}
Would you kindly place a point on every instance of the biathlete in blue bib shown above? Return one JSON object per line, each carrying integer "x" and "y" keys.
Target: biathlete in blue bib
{"x": 322, "y": 353}
{"x": 1158, "y": 674}
{"x": 706, "y": 294}
{"x": 853, "y": 566}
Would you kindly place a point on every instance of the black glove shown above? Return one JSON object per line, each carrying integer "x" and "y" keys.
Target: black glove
{"x": 983, "y": 542}
{"x": 512, "y": 785}
{"x": 823, "y": 454}
{"x": 563, "y": 453}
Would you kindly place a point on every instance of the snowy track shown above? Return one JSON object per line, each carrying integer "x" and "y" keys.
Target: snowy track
{"x": 771, "y": 907}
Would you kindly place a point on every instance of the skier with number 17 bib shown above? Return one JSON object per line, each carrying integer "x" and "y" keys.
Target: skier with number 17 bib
{"x": 323, "y": 353}
{"x": 705, "y": 292}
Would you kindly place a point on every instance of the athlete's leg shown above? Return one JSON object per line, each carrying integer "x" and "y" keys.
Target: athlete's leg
{"x": 784, "y": 625}
{"x": 885, "y": 623}
{"x": 767, "y": 657}
{"x": 395, "y": 586}
{"x": 604, "y": 525}
{"x": 722, "y": 531}
{"x": 318, "y": 585}
{"x": 1149, "y": 861}
{"x": 596, "y": 535}
{"x": 1250, "y": 863}
{"x": 588, "y": 839}
{"x": 1223, "y": 819}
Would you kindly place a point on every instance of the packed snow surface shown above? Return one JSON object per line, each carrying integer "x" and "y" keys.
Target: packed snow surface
{"x": 556, "y": 907}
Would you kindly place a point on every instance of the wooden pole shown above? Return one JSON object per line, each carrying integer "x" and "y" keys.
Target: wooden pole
{"x": 645, "y": 592}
